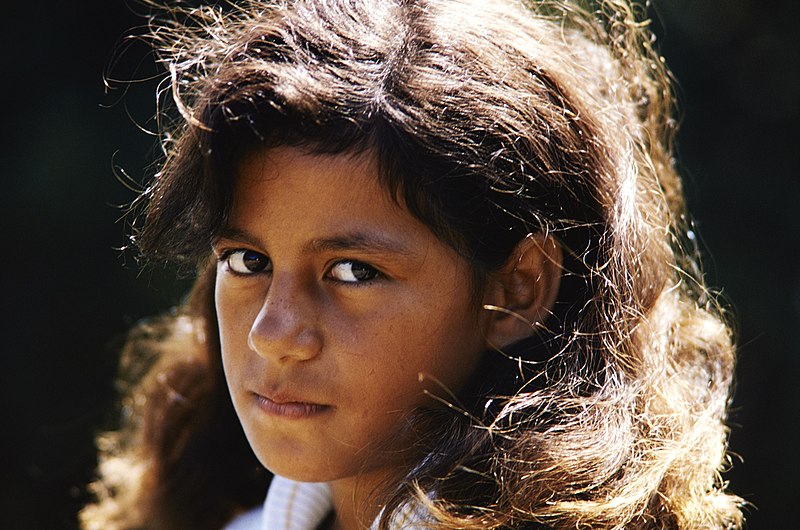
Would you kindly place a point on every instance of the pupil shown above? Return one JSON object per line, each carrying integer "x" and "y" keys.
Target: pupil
{"x": 253, "y": 260}
{"x": 360, "y": 272}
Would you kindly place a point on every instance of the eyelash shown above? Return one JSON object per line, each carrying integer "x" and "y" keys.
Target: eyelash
{"x": 225, "y": 255}
{"x": 375, "y": 274}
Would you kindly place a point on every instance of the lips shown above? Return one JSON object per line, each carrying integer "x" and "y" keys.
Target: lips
{"x": 289, "y": 407}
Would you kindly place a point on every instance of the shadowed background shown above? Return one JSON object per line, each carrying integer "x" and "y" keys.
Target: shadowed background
{"x": 68, "y": 295}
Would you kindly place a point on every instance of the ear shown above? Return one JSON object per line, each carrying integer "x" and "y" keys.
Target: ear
{"x": 522, "y": 293}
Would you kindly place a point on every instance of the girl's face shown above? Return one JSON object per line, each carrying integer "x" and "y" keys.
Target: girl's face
{"x": 337, "y": 308}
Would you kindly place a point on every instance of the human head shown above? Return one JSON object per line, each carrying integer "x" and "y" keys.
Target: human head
{"x": 489, "y": 123}
{"x": 485, "y": 134}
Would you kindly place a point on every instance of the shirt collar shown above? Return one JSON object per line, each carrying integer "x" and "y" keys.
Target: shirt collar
{"x": 292, "y": 505}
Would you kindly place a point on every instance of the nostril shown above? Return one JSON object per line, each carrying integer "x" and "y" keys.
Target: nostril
{"x": 284, "y": 331}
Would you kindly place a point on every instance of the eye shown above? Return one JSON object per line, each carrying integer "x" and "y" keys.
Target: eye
{"x": 353, "y": 272}
{"x": 247, "y": 262}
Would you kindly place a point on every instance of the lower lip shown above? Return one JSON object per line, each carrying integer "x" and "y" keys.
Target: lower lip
{"x": 290, "y": 409}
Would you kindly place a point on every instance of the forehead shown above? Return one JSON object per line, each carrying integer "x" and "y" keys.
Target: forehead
{"x": 288, "y": 191}
{"x": 272, "y": 180}
{"x": 290, "y": 167}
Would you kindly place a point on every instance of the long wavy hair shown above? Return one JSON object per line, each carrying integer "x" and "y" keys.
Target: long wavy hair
{"x": 491, "y": 120}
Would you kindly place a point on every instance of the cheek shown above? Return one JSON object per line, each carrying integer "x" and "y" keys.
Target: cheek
{"x": 236, "y": 312}
{"x": 225, "y": 318}
{"x": 435, "y": 351}
{"x": 422, "y": 364}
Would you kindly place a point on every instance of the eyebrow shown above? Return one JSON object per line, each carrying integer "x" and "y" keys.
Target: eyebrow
{"x": 369, "y": 242}
{"x": 361, "y": 241}
{"x": 235, "y": 234}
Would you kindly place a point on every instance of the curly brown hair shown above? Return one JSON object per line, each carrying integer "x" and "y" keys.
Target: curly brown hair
{"x": 491, "y": 121}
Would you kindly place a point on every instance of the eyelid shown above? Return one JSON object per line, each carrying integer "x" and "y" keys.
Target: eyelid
{"x": 222, "y": 251}
{"x": 379, "y": 275}
{"x": 224, "y": 255}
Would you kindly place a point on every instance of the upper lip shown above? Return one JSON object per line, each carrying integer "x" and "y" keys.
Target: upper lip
{"x": 282, "y": 396}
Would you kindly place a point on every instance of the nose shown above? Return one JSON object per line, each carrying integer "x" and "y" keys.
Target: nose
{"x": 286, "y": 327}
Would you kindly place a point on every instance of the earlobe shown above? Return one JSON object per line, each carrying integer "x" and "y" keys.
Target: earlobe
{"x": 522, "y": 293}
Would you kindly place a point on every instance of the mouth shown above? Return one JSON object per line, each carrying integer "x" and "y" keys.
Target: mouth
{"x": 288, "y": 407}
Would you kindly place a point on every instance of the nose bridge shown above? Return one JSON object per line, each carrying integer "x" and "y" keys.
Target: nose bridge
{"x": 286, "y": 325}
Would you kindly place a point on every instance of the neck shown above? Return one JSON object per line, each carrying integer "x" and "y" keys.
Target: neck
{"x": 354, "y": 501}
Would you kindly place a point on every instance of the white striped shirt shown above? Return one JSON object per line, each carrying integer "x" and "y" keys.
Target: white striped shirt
{"x": 292, "y": 505}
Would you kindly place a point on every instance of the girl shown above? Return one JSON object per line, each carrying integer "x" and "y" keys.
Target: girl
{"x": 444, "y": 279}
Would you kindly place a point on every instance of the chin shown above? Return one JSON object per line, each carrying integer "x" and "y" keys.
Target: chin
{"x": 286, "y": 460}
{"x": 301, "y": 472}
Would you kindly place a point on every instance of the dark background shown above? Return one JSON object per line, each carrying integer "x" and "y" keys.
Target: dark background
{"x": 68, "y": 295}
